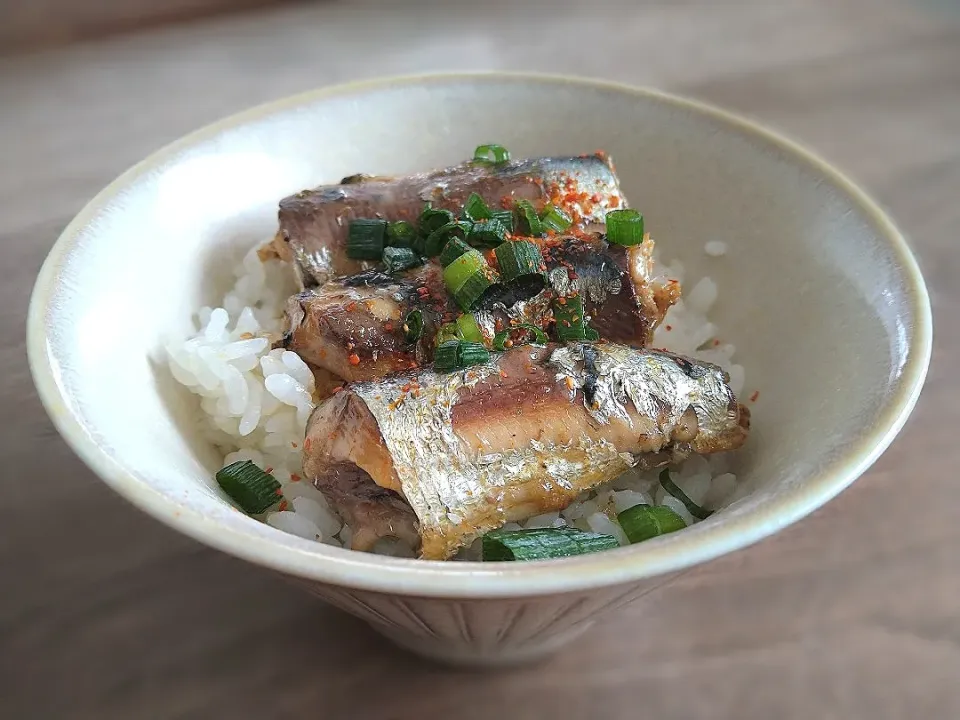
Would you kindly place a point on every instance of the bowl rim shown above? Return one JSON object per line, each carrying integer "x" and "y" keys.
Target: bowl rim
{"x": 470, "y": 580}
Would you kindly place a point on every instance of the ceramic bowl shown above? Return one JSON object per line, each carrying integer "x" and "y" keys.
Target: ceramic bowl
{"x": 818, "y": 290}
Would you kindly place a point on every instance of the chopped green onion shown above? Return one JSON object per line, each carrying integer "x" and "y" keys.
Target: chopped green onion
{"x": 492, "y": 154}
{"x": 401, "y": 234}
{"x": 571, "y": 322}
{"x": 396, "y": 259}
{"x": 458, "y": 354}
{"x": 467, "y": 278}
{"x": 543, "y": 543}
{"x": 624, "y": 227}
{"x": 413, "y": 326}
{"x": 519, "y": 258}
{"x": 442, "y": 235}
{"x": 454, "y": 248}
{"x": 365, "y": 239}
{"x": 487, "y": 233}
{"x": 529, "y": 220}
{"x": 501, "y": 338}
{"x": 469, "y": 328}
{"x": 671, "y": 487}
{"x": 447, "y": 332}
{"x": 249, "y": 486}
{"x": 433, "y": 218}
{"x": 642, "y": 522}
{"x": 504, "y": 217}
{"x": 553, "y": 218}
{"x": 475, "y": 208}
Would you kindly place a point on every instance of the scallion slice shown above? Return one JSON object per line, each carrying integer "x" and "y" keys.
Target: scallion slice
{"x": 413, "y": 326}
{"x": 365, "y": 238}
{"x": 624, "y": 227}
{"x": 491, "y": 154}
{"x": 571, "y": 323}
{"x": 454, "y": 248}
{"x": 469, "y": 328}
{"x": 671, "y": 487}
{"x": 475, "y": 208}
{"x": 642, "y": 522}
{"x": 529, "y": 220}
{"x": 553, "y": 218}
{"x": 467, "y": 278}
{"x": 249, "y": 486}
{"x": 543, "y": 543}
{"x": 487, "y": 233}
{"x": 458, "y": 354}
{"x": 519, "y": 258}
{"x": 504, "y": 336}
{"x": 401, "y": 234}
{"x": 396, "y": 259}
{"x": 432, "y": 219}
{"x": 436, "y": 240}
{"x": 504, "y": 217}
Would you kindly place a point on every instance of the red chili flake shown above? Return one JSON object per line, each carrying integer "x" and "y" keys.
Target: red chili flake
{"x": 562, "y": 300}
{"x": 354, "y": 359}
{"x": 668, "y": 328}
{"x": 268, "y": 470}
{"x": 283, "y": 506}
{"x": 754, "y": 396}
{"x": 503, "y": 374}
{"x": 307, "y": 444}
{"x": 278, "y": 491}
{"x": 506, "y": 202}
{"x": 294, "y": 445}
{"x": 388, "y": 326}
{"x": 295, "y": 478}
{"x": 614, "y": 201}
{"x": 423, "y": 290}
{"x": 716, "y": 342}
{"x": 570, "y": 384}
{"x": 351, "y": 306}
{"x": 337, "y": 389}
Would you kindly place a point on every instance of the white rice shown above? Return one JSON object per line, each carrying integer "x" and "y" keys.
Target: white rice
{"x": 254, "y": 405}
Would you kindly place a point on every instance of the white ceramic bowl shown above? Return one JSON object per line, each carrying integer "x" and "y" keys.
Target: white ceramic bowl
{"x": 819, "y": 292}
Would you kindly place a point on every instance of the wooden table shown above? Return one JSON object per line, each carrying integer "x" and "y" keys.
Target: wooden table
{"x": 852, "y": 613}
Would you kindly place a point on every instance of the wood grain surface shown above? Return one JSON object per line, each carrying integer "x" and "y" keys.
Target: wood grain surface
{"x": 852, "y": 613}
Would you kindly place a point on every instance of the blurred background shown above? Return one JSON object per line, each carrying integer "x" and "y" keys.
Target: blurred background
{"x": 104, "y": 613}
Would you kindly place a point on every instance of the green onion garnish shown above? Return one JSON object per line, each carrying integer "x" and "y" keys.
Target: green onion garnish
{"x": 501, "y": 338}
{"x": 487, "y": 233}
{"x": 518, "y": 259}
{"x": 504, "y": 217}
{"x": 396, "y": 259}
{"x": 413, "y": 326}
{"x": 469, "y": 328}
{"x": 249, "y": 486}
{"x": 624, "y": 227}
{"x": 442, "y": 235}
{"x": 458, "y": 354}
{"x": 447, "y": 332}
{"x": 454, "y": 248}
{"x": 491, "y": 154}
{"x": 671, "y": 487}
{"x": 467, "y": 278}
{"x": 553, "y": 218}
{"x": 543, "y": 543}
{"x": 475, "y": 208}
{"x": 571, "y": 323}
{"x": 365, "y": 239}
{"x": 529, "y": 220}
{"x": 401, "y": 234}
{"x": 433, "y": 218}
{"x": 642, "y": 522}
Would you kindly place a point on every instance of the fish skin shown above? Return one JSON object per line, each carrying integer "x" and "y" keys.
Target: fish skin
{"x": 313, "y": 224}
{"x": 363, "y": 315}
{"x": 516, "y": 437}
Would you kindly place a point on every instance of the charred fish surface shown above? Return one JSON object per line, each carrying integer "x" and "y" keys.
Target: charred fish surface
{"x": 314, "y": 223}
{"x": 354, "y": 327}
{"x": 519, "y": 436}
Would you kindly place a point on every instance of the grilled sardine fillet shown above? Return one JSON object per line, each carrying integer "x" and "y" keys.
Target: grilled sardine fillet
{"x": 456, "y": 455}
{"x": 314, "y": 223}
{"x": 354, "y": 327}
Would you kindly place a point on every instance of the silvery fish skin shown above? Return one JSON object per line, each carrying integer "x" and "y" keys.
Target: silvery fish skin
{"x": 314, "y": 223}
{"x": 363, "y": 316}
{"x": 522, "y": 435}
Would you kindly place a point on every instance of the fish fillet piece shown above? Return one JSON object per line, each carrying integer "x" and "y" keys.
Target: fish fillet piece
{"x": 314, "y": 223}
{"x": 354, "y": 327}
{"x": 522, "y": 435}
